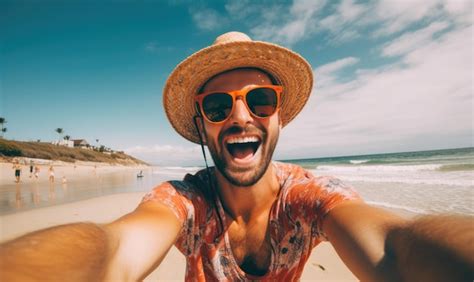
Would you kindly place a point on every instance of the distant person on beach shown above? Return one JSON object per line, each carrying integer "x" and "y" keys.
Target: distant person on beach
{"x": 248, "y": 218}
{"x": 17, "y": 168}
{"x": 32, "y": 164}
{"x": 37, "y": 170}
{"x": 51, "y": 173}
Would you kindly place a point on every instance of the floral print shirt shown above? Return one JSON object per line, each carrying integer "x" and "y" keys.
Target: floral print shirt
{"x": 295, "y": 223}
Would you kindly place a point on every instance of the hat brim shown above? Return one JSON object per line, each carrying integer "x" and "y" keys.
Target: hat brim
{"x": 288, "y": 68}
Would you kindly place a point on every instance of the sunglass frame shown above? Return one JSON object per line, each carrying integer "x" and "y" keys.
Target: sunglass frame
{"x": 239, "y": 93}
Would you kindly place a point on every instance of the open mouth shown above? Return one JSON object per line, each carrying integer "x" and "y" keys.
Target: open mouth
{"x": 243, "y": 147}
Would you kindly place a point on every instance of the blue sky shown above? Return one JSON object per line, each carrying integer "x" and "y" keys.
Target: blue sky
{"x": 390, "y": 75}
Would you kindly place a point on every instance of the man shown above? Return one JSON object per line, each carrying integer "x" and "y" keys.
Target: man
{"x": 32, "y": 164}
{"x": 248, "y": 218}
{"x": 17, "y": 168}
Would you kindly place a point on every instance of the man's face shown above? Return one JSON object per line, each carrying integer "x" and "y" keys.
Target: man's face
{"x": 242, "y": 146}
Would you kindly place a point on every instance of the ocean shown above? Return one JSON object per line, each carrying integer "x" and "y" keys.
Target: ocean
{"x": 438, "y": 181}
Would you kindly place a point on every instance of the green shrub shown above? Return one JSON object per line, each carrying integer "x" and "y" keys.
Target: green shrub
{"x": 8, "y": 149}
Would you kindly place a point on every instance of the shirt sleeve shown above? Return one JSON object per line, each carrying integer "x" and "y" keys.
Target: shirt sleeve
{"x": 183, "y": 198}
{"x": 311, "y": 198}
{"x": 167, "y": 195}
{"x": 333, "y": 192}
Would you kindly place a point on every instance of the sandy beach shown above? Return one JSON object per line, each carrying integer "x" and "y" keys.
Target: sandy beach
{"x": 20, "y": 221}
{"x": 172, "y": 268}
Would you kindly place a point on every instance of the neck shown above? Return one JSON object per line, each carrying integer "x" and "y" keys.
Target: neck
{"x": 242, "y": 203}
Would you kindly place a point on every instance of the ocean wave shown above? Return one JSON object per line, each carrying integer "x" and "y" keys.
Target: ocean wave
{"x": 407, "y": 180}
{"x": 358, "y": 161}
{"x": 179, "y": 174}
{"x": 183, "y": 168}
{"x": 457, "y": 167}
{"x": 398, "y": 207}
{"x": 385, "y": 168}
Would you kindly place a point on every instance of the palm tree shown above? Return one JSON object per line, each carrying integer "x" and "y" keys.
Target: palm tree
{"x": 2, "y": 122}
{"x": 67, "y": 137}
{"x": 60, "y": 131}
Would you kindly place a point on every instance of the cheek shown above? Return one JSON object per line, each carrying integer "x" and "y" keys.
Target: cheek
{"x": 273, "y": 126}
{"x": 212, "y": 131}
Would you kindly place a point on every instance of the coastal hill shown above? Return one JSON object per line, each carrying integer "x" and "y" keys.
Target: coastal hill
{"x": 42, "y": 150}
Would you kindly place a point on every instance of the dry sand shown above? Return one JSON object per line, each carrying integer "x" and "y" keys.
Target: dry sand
{"x": 173, "y": 267}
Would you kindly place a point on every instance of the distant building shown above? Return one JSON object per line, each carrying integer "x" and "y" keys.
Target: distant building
{"x": 81, "y": 143}
{"x": 63, "y": 142}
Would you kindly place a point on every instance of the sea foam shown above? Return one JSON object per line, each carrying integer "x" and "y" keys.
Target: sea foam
{"x": 374, "y": 168}
{"x": 358, "y": 161}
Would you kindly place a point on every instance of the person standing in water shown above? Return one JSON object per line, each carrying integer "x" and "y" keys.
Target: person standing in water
{"x": 51, "y": 174}
{"x": 17, "y": 168}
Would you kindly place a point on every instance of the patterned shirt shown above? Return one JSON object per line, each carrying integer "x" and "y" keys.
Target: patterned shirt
{"x": 295, "y": 223}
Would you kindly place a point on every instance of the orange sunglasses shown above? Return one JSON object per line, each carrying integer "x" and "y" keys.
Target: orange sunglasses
{"x": 262, "y": 101}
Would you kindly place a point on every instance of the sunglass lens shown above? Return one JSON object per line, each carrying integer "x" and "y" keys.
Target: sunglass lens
{"x": 217, "y": 106}
{"x": 262, "y": 101}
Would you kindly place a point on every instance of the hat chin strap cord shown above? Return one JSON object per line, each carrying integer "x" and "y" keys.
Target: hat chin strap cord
{"x": 211, "y": 183}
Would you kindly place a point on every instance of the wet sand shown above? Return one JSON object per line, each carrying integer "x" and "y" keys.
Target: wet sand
{"x": 72, "y": 182}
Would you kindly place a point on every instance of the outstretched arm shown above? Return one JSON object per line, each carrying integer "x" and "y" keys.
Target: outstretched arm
{"x": 126, "y": 249}
{"x": 379, "y": 246}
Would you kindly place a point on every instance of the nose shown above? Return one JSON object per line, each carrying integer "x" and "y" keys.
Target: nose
{"x": 240, "y": 114}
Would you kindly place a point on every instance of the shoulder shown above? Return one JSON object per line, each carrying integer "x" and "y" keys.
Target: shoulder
{"x": 294, "y": 177}
{"x": 318, "y": 193}
{"x": 289, "y": 174}
{"x": 184, "y": 197}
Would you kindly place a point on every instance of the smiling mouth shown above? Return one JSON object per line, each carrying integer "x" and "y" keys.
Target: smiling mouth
{"x": 242, "y": 148}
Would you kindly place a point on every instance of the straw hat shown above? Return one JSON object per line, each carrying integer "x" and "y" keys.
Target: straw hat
{"x": 229, "y": 51}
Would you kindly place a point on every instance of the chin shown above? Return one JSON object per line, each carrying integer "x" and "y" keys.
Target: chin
{"x": 244, "y": 178}
{"x": 244, "y": 175}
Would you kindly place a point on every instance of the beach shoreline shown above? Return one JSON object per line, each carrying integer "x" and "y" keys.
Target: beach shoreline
{"x": 70, "y": 171}
{"x": 72, "y": 182}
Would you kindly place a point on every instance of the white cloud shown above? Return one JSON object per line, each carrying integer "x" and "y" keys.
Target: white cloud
{"x": 346, "y": 12}
{"x": 460, "y": 10}
{"x": 239, "y": 8}
{"x": 350, "y": 11}
{"x": 207, "y": 19}
{"x": 398, "y": 15}
{"x": 306, "y": 8}
{"x": 458, "y": 6}
{"x": 347, "y": 19}
{"x": 337, "y": 65}
{"x": 413, "y": 40}
{"x": 425, "y": 100}
{"x": 289, "y": 28}
{"x": 340, "y": 21}
{"x": 327, "y": 74}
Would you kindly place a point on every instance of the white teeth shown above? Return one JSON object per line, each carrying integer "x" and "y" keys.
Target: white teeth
{"x": 234, "y": 140}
